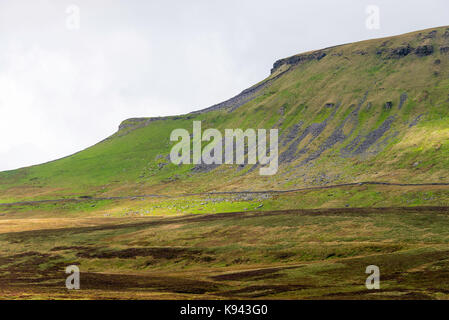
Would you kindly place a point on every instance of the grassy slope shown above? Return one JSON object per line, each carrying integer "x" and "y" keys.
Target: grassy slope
{"x": 159, "y": 248}
{"x": 373, "y": 196}
{"x": 278, "y": 255}
{"x": 125, "y": 164}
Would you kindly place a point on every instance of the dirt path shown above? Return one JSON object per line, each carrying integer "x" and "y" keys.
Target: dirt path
{"x": 88, "y": 198}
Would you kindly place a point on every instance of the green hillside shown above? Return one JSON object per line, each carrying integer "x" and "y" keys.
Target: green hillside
{"x": 375, "y": 110}
{"x": 363, "y": 180}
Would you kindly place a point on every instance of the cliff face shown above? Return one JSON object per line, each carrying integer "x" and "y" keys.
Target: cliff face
{"x": 298, "y": 59}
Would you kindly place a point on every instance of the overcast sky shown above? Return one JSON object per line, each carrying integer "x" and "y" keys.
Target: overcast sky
{"x": 66, "y": 85}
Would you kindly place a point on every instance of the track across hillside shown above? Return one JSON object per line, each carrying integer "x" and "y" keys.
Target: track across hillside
{"x": 89, "y": 198}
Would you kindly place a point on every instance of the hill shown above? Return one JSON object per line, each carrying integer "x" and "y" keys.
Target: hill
{"x": 374, "y": 110}
{"x": 363, "y": 180}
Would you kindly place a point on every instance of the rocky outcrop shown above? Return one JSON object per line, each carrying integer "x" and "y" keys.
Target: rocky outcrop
{"x": 402, "y": 100}
{"x": 415, "y": 121}
{"x": 298, "y": 59}
{"x": 444, "y": 50}
{"x": 239, "y": 100}
{"x": 424, "y": 51}
{"x": 401, "y": 52}
{"x": 314, "y": 130}
{"x": 430, "y": 35}
{"x": 135, "y": 123}
{"x": 374, "y": 136}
